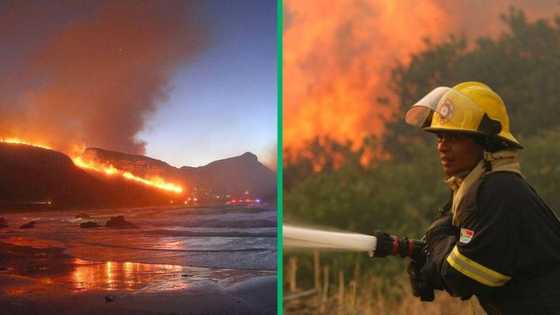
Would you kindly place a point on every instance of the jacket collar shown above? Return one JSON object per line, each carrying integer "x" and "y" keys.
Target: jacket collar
{"x": 500, "y": 161}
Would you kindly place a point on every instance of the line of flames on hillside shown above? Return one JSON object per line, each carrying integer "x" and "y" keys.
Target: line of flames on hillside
{"x": 107, "y": 169}
{"x": 110, "y": 170}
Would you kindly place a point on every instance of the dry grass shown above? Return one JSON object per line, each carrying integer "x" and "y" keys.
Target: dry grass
{"x": 365, "y": 295}
{"x": 368, "y": 299}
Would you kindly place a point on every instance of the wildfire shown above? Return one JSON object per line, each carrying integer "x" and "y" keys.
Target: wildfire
{"x": 20, "y": 141}
{"x": 110, "y": 170}
{"x": 337, "y": 62}
{"x": 107, "y": 169}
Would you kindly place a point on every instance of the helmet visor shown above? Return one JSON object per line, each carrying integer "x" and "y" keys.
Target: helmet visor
{"x": 421, "y": 110}
{"x": 456, "y": 111}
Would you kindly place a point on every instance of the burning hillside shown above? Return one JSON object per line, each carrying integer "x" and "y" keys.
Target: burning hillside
{"x": 36, "y": 177}
{"x": 88, "y": 162}
{"x": 110, "y": 170}
{"x": 123, "y": 179}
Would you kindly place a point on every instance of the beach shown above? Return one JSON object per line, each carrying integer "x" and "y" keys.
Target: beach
{"x": 180, "y": 261}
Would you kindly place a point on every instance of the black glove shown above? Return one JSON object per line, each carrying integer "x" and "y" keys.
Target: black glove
{"x": 440, "y": 240}
{"x": 416, "y": 249}
{"x": 384, "y": 246}
{"x": 420, "y": 286}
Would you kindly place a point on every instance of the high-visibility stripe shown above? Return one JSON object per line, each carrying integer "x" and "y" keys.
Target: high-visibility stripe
{"x": 476, "y": 271}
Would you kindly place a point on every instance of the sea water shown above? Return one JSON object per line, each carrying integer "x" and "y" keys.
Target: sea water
{"x": 225, "y": 238}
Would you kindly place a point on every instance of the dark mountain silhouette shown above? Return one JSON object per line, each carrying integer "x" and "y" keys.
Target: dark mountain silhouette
{"x": 42, "y": 178}
{"x": 36, "y": 177}
{"x": 235, "y": 176}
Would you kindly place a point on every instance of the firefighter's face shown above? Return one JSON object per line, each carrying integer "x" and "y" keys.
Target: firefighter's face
{"x": 458, "y": 153}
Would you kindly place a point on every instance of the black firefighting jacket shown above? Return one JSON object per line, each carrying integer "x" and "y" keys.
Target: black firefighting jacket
{"x": 506, "y": 250}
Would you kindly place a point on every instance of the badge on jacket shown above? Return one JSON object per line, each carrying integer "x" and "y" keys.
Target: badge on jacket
{"x": 466, "y": 236}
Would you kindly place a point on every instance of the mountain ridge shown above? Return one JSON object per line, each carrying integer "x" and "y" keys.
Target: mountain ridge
{"x": 234, "y": 176}
{"x": 29, "y": 173}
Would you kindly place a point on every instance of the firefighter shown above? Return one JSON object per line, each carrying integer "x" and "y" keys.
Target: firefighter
{"x": 495, "y": 239}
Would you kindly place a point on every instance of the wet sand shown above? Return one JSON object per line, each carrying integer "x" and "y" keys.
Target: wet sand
{"x": 41, "y": 279}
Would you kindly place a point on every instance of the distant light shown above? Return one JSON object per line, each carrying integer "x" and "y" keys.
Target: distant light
{"x": 258, "y": 200}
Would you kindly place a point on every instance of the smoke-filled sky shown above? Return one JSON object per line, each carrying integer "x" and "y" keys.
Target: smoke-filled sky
{"x": 337, "y": 57}
{"x": 187, "y": 82}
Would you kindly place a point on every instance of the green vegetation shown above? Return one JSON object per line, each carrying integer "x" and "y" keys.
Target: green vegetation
{"x": 402, "y": 193}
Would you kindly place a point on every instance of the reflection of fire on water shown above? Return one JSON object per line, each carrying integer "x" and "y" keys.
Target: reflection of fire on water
{"x": 110, "y": 170}
{"x": 118, "y": 275}
{"x": 87, "y": 275}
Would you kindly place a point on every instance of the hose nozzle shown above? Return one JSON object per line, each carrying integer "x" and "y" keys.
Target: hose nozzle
{"x": 392, "y": 245}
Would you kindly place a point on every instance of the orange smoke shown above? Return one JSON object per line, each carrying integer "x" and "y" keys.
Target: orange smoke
{"x": 337, "y": 60}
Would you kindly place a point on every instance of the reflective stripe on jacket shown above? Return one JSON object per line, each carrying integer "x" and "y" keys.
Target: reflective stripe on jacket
{"x": 508, "y": 250}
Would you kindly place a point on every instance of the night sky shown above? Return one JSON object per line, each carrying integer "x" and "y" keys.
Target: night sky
{"x": 224, "y": 102}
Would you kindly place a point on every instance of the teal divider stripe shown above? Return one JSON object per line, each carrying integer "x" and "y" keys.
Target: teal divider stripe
{"x": 279, "y": 164}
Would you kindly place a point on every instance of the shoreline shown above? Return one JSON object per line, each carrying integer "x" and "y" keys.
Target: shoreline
{"x": 264, "y": 206}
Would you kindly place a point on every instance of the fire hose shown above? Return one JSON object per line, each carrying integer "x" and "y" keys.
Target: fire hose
{"x": 378, "y": 245}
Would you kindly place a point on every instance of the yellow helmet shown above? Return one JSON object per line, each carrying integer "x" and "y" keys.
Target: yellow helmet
{"x": 469, "y": 107}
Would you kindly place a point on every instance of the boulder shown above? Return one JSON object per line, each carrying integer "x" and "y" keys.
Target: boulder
{"x": 119, "y": 222}
{"x": 89, "y": 225}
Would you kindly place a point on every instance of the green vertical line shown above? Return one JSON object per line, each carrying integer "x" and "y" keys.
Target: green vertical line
{"x": 279, "y": 164}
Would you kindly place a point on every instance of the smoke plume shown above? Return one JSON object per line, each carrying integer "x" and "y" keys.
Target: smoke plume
{"x": 89, "y": 73}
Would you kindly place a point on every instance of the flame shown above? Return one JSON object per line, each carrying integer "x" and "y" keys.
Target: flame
{"x": 107, "y": 169}
{"x": 110, "y": 170}
{"x": 21, "y": 141}
{"x": 337, "y": 62}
